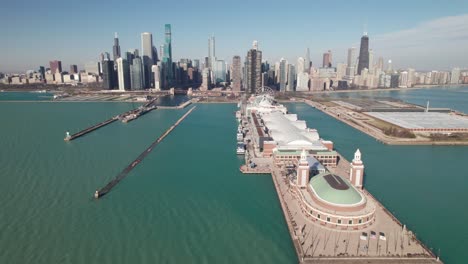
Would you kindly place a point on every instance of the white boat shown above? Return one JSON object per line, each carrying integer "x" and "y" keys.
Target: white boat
{"x": 240, "y": 148}
{"x": 240, "y": 136}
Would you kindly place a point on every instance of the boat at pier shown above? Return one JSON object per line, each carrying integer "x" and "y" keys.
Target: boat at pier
{"x": 240, "y": 148}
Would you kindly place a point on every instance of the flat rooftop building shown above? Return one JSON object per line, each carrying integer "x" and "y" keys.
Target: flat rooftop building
{"x": 424, "y": 121}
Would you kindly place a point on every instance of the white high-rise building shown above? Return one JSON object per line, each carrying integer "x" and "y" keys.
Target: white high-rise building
{"x": 340, "y": 71}
{"x": 300, "y": 65}
{"x": 157, "y": 77}
{"x": 302, "y": 82}
{"x": 455, "y": 76}
{"x": 371, "y": 61}
{"x": 307, "y": 61}
{"x": 211, "y": 51}
{"x": 404, "y": 79}
{"x": 351, "y": 62}
{"x": 123, "y": 74}
{"x": 411, "y": 77}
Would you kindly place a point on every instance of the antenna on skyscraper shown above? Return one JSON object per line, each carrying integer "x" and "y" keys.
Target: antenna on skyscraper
{"x": 116, "y": 35}
{"x": 365, "y": 29}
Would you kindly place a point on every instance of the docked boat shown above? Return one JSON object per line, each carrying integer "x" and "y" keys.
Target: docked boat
{"x": 240, "y": 136}
{"x": 240, "y": 148}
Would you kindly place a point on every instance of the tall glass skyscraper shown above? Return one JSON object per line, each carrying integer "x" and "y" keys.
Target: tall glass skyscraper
{"x": 219, "y": 71}
{"x": 211, "y": 51}
{"x": 147, "y": 56}
{"x": 282, "y": 75}
{"x": 167, "y": 54}
{"x": 363, "y": 54}
{"x": 136, "y": 74}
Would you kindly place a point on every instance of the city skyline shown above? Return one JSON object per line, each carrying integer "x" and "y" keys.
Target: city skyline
{"x": 392, "y": 37}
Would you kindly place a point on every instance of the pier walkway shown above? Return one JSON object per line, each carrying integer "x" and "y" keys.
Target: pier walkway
{"x": 90, "y": 129}
{"x": 104, "y": 123}
{"x": 103, "y": 191}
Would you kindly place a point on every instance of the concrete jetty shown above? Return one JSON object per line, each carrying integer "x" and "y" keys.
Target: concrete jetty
{"x": 83, "y": 132}
{"x": 90, "y": 129}
{"x": 103, "y": 191}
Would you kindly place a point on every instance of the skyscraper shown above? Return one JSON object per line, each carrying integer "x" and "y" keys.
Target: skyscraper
{"x": 307, "y": 61}
{"x": 167, "y": 58}
{"x": 455, "y": 76}
{"x": 136, "y": 74}
{"x": 116, "y": 47}
{"x": 327, "y": 59}
{"x": 371, "y": 61}
{"x": 206, "y": 79}
{"x": 380, "y": 64}
{"x": 147, "y": 56}
{"x": 282, "y": 74}
{"x": 351, "y": 62}
{"x": 123, "y": 74}
{"x": 211, "y": 51}
{"x": 108, "y": 74}
{"x": 147, "y": 46}
{"x": 157, "y": 77}
{"x": 300, "y": 65}
{"x": 363, "y": 54}
{"x": 236, "y": 73}
{"x": 42, "y": 72}
{"x": 219, "y": 71}
{"x": 291, "y": 78}
{"x": 55, "y": 66}
{"x": 302, "y": 81}
{"x": 254, "y": 68}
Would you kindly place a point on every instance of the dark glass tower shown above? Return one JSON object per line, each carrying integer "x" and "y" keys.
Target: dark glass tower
{"x": 108, "y": 74}
{"x": 116, "y": 48}
{"x": 167, "y": 59}
{"x": 363, "y": 54}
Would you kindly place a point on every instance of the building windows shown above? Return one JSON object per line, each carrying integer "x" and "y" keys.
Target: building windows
{"x": 360, "y": 221}
{"x": 311, "y": 212}
{"x": 339, "y": 221}
{"x": 318, "y": 216}
{"x": 328, "y": 219}
{"x": 350, "y": 222}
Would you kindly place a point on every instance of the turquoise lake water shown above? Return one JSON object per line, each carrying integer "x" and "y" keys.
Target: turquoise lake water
{"x": 187, "y": 201}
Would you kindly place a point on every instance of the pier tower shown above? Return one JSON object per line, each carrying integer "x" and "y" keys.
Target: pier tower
{"x": 356, "y": 174}
{"x": 302, "y": 179}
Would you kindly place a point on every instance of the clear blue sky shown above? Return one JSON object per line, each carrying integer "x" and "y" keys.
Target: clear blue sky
{"x": 420, "y": 34}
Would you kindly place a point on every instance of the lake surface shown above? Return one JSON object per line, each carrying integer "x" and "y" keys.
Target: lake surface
{"x": 186, "y": 202}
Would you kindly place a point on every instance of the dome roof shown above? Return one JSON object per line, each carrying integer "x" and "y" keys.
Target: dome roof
{"x": 333, "y": 189}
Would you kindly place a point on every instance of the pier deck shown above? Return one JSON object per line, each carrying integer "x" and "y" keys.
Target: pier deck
{"x": 103, "y": 191}
{"x": 92, "y": 128}
{"x": 104, "y": 123}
